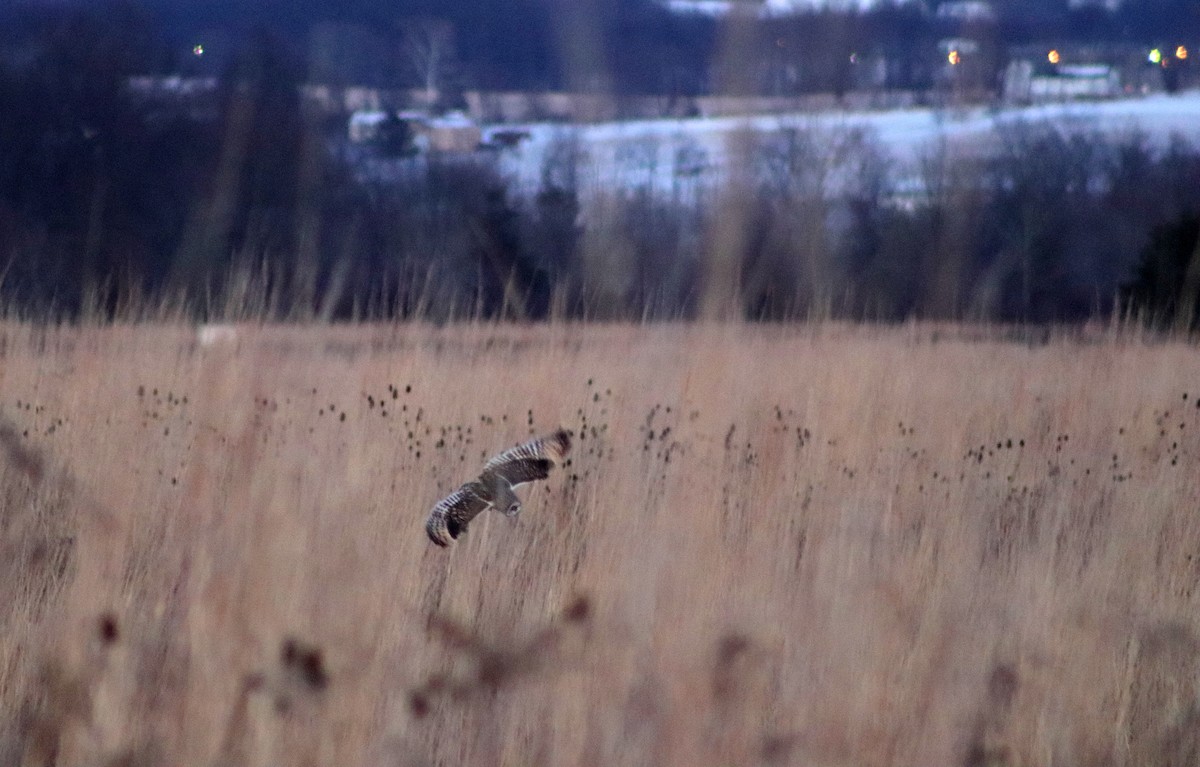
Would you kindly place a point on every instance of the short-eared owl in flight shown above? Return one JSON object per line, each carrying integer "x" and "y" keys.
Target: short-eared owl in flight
{"x": 493, "y": 488}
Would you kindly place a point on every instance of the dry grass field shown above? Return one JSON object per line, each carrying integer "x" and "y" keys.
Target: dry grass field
{"x": 821, "y": 545}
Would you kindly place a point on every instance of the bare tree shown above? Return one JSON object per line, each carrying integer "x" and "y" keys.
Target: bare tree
{"x": 428, "y": 44}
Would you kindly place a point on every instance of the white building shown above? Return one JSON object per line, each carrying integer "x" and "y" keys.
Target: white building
{"x": 1083, "y": 81}
{"x": 1108, "y": 5}
{"x": 365, "y": 124}
{"x": 967, "y": 10}
{"x": 451, "y": 133}
{"x": 764, "y": 7}
{"x": 1066, "y": 83}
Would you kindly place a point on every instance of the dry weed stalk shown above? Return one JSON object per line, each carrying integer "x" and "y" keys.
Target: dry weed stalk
{"x": 491, "y": 665}
{"x": 822, "y": 545}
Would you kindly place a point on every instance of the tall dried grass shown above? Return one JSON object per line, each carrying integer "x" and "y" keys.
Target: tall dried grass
{"x": 821, "y": 546}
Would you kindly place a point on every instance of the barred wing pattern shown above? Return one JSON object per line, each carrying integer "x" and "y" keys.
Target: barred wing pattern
{"x": 530, "y": 460}
{"x": 526, "y": 462}
{"x": 452, "y": 514}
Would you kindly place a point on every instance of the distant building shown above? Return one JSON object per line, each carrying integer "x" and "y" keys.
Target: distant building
{"x": 522, "y": 106}
{"x": 454, "y": 132}
{"x": 347, "y": 99}
{"x": 717, "y": 7}
{"x": 365, "y": 125}
{"x": 505, "y": 138}
{"x": 967, "y": 10}
{"x": 764, "y": 8}
{"x": 1069, "y": 71}
{"x": 451, "y": 133}
{"x": 171, "y": 86}
{"x": 1064, "y": 83}
{"x": 1083, "y": 81}
{"x": 962, "y": 45}
{"x": 166, "y": 96}
{"x": 360, "y": 97}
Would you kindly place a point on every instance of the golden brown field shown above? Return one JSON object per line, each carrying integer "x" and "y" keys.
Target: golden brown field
{"x": 820, "y": 545}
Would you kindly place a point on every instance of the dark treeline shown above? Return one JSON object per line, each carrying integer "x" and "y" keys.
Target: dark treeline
{"x": 107, "y": 202}
{"x": 1053, "y": 226}
{"x": 622, "y": 46}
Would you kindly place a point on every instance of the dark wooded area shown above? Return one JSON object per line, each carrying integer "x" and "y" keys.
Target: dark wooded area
{"x": 107, "y": 200}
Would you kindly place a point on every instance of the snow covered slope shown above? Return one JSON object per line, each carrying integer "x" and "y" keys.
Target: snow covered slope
{"x": 680, "y": 158}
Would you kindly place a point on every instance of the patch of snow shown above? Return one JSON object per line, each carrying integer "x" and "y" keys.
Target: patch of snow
{"x": 210, "y": 335}
{"x": 681, "y": 158}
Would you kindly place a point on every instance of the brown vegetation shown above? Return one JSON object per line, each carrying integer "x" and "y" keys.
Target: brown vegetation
{"x": 820, "y": 545}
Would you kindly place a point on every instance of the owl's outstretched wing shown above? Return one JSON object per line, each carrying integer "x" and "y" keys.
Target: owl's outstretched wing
{"x": 450, "y": 516}
{"x": 530, "y": 460}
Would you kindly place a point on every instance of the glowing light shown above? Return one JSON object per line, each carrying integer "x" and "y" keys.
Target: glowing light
{"x": 1155, "y": 56}
{"x": 197, "y": 50}
{"x": 853, "y": 58}
{"x": 1181, "y": 53}
{"x": 954, "y": 58}
{"x": 1053, "y": 57}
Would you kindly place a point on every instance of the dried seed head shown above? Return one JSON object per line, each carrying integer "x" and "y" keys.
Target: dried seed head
{"x": 109, "y": 630}
{"x": 306, "y": 662}
{"x": 578, "y": 611}
{"x": 732, "y": 645}
{"x": 418, "y": 704}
